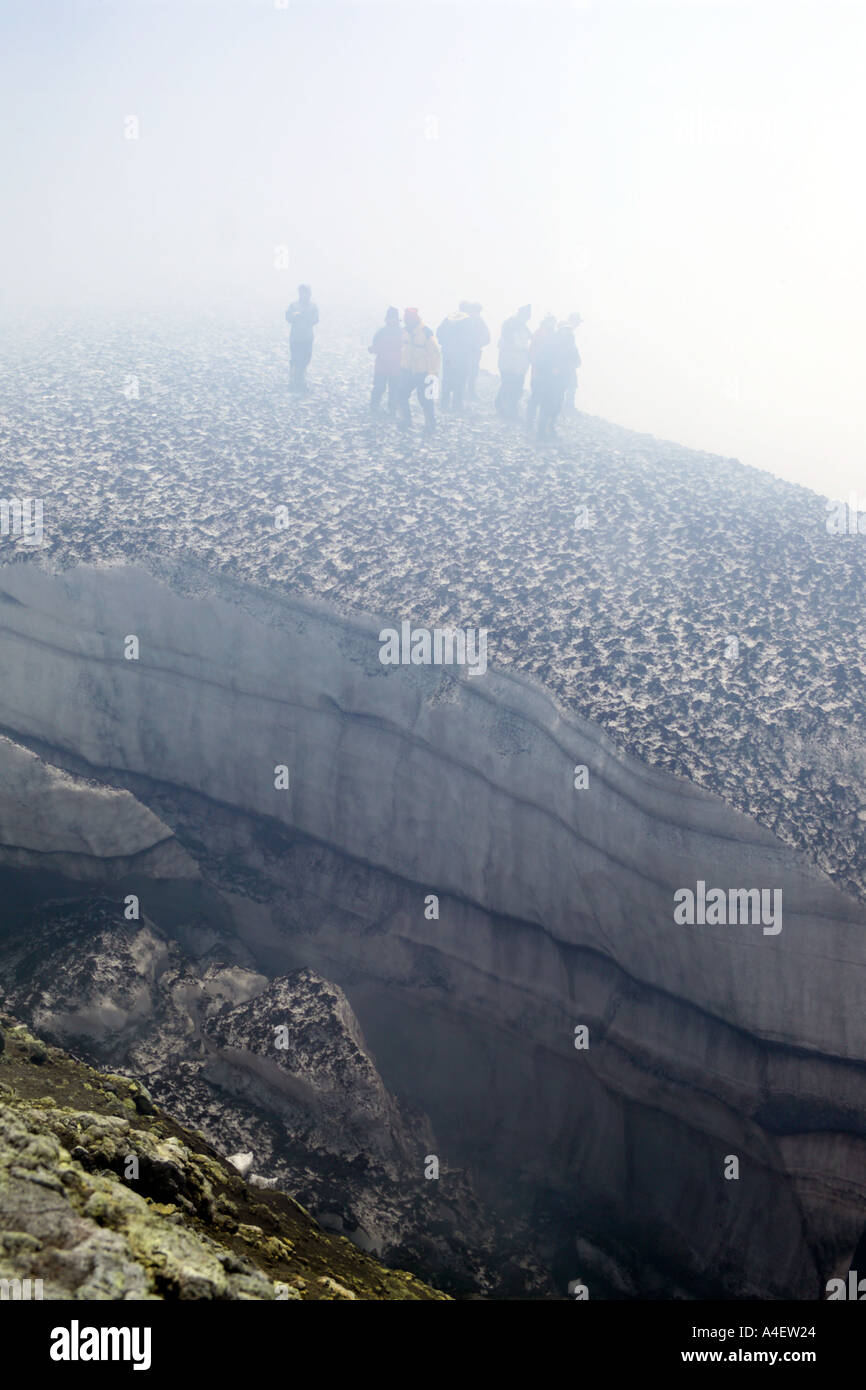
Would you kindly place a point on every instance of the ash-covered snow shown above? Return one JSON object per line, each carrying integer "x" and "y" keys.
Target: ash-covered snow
{"x": 628, "y": 619}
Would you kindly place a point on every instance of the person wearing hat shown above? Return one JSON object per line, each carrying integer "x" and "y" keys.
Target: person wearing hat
{"x": 513, "y": 361}
{"x": 387, "y": 345}
{"x": 420, "y": 361}
{"x": 302, "y": 317}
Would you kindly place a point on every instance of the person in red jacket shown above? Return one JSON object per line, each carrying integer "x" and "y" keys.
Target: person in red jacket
{"x": 387, "y": 345}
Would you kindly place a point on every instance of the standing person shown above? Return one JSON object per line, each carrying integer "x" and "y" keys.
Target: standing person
{"x": 302, "y": 317}
{"x": 538, "y": 354}
{"x": 556, "y": 364}
{"x": 420, "y": 361}
{"x": 455, "y": 340}
{"x": 387, "y": 345}
{"x": 479, "y": 337}
{"x": 513, "y": 361}
{"x": 569, "y": 403}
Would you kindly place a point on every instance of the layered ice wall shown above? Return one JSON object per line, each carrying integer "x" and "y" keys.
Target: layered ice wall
{"x": 438, "y": 855}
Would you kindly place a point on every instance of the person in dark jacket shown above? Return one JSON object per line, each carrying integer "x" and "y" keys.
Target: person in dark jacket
{"x": 479, "y": 337}
{"x": 569, "y": 403}
{"x": 538, "y": 351}
{"x": 554, "y": 365}
{"x": 455, "y": 339}
{"x": 388, "y": 346}
{"x": 513, "y": 361}
{"x": 302, "y": 317}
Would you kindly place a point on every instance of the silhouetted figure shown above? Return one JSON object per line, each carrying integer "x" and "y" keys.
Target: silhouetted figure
{"x": 569, "y": 402}
{"x": 302, "y": 317}
{"x": 388, "y": 347}
{"x": 455, "y": 338}
{"x": 513, "y": 361}
{"x": 479, "y": 337}
{"x": 554, "y": 365}
{"x": 541, "y": 340}
{"x": 420, "y": 361}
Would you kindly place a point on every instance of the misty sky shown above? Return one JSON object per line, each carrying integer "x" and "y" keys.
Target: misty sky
{"x": 687, "y": 176}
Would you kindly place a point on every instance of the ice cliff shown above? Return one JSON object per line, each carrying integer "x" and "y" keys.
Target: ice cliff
{"x": 554, "y": 910}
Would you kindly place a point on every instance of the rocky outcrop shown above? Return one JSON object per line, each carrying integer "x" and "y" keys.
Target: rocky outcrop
{"x": 276, "y": 1075}
{"x": 297, "y": 1043}
{"x": 437, "y": 855}
{"x": 101, "y": 1198}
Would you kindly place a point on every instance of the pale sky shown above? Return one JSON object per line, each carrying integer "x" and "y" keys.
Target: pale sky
{"x": 686, "y": 176}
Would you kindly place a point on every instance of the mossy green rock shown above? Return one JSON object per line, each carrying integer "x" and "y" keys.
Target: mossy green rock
{"x": 103, "y": 1198}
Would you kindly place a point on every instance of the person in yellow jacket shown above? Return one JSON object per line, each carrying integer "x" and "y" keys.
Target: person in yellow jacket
{"x": 420, "y": 361}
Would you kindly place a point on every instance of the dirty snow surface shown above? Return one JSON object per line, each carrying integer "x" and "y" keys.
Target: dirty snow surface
{"x": 698, "y": 609}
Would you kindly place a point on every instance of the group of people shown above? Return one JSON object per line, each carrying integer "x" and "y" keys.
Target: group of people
{"x": 408, "y": 361}
{"x": 551, "y": 354}
{"x": 409, "y": 358}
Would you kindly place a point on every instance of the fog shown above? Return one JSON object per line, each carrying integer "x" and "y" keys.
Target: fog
{"x": 686, "y": 176}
